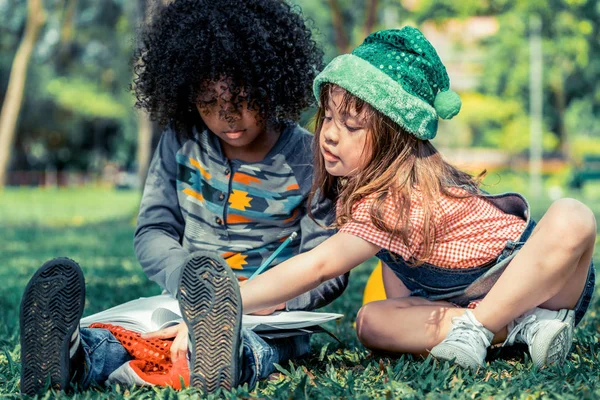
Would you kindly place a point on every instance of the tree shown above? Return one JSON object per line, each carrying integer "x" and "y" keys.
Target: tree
{"x": 146, "y": 128}
{"x": 570, "y": 49}
{"x": 14, "y": 94}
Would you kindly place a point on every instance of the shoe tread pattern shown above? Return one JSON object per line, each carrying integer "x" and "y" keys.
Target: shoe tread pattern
{"x": 51, "y": 308}
{"x": 211, "y": 306}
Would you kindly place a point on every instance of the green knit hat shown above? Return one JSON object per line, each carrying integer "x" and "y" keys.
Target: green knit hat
{"x": 399, "y": 73}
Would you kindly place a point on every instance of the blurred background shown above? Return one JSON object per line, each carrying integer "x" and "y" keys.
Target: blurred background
{"x": 527, "y": 73}
{"x": 74, "y": 152}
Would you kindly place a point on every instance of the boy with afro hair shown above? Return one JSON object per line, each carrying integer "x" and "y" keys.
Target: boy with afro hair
{"x": 228, "y": 183}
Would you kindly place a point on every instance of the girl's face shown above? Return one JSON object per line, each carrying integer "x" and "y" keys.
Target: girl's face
{"x": 343, "y": 138}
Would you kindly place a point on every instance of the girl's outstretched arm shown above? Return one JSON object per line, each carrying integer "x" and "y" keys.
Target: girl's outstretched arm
{"x": 335, "y": 256}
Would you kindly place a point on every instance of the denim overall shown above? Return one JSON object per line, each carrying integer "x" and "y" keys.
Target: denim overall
{"x": 461, "y": 286}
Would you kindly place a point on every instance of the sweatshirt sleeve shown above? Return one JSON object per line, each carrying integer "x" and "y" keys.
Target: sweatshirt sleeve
{"x": 313, "y": 233}
{"x": 160, "y": 224}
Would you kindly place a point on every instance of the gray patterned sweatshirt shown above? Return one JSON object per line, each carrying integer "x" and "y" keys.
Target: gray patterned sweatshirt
{"x": 196, "y": 199}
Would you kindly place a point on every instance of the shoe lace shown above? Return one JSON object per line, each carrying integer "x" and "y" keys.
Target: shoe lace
{"x": 465, "y": 331}
{"x": 523, "y": 328}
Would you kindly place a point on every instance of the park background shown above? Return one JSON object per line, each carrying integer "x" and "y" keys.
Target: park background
{"x": 74, "y": 152}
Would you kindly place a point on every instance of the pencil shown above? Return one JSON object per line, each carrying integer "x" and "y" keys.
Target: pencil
{"x": 269, "y": 260}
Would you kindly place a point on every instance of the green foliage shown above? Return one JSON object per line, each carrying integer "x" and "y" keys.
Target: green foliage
{"x": 76, "y": 108}
{"x": 570, "y": 58}
{"x": 494, "y": 122}
{"x": 84, "y": 98}
{"x": 103, "y": 248}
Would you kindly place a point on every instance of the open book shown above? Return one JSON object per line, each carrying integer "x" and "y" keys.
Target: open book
{"x": 148, "y": 314}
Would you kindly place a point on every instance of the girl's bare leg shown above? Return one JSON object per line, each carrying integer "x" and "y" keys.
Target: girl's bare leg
{"x": 550, "y": 270}
{"x": 407, "y": 325}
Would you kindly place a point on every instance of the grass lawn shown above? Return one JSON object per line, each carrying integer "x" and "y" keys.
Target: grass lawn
{"x": 95, "y": 227}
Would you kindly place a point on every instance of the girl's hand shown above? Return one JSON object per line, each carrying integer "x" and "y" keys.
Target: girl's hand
{"x": 179, "y": 346}
{"x": 268, "y": 310}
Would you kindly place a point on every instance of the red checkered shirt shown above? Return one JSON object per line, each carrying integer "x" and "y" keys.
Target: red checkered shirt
{"x": 469, "y": 232}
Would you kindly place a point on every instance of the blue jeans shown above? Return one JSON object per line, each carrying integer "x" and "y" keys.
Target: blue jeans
{"x": 104, "y": 354}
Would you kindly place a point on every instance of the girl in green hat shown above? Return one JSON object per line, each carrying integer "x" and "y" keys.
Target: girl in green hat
{"x": 463, "y": 269}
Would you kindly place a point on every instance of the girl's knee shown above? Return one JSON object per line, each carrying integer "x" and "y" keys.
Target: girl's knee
{"x": 363, "y": 323}
{"x": 573, "y": 223}
{"x": 367, "y": 322}
{"x": 373, "y": 316}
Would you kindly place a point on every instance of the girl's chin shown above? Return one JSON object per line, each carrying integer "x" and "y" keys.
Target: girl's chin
{"x": 334, "y": 172}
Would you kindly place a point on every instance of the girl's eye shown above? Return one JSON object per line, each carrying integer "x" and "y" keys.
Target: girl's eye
{"x": 326, "y": 118}
{"x": 353, "y": 128}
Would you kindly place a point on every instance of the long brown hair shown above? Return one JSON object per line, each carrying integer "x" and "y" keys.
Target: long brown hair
{"x": 399, "y": 164}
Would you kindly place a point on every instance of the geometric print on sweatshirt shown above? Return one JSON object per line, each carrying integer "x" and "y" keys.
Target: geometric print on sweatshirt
{"x": 241, "y": 211}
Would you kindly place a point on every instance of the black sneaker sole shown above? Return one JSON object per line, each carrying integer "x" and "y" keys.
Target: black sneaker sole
{"x": 51, "y": 308}
{"x": 211, "y": 306}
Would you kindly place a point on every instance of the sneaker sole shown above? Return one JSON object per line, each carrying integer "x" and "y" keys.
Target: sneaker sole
{"x": 211, "y": 306}
{"x": 556, "y": 344}
{"x": 442, "y": 352}
{"x": 51, "y": 308}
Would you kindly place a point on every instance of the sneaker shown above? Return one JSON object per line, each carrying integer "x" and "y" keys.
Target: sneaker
{"x": 211, "y": 306}
{"x": 548, "y": 334}
{"x": 466, "y": 344}
{"x": 51, "y": 308}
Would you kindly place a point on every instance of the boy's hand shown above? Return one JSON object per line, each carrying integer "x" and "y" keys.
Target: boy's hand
{"x": 266, "y": 311}
{"x": 180, "y": 343}
{"x": 270, "y": 310}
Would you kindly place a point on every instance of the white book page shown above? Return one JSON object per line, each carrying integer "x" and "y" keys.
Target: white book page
{"x": 148, "y": 314}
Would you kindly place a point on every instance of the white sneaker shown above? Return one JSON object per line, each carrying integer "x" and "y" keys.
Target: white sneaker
{"x": 548, "y": 334}
{"x": 466, "y": 343}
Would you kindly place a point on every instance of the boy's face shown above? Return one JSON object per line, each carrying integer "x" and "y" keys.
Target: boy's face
{"x": 343, "y": 139}
{"x": 235, "y": 124}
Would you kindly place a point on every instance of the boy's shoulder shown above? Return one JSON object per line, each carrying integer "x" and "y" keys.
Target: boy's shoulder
{"x": 172, "y": 139}
{"x": 299, "y": 133}
{"x": 299, "y": 141}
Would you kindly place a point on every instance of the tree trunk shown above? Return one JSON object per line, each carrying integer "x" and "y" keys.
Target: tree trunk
{"x": 559, "y": 101}
{"x": 371, "y": 16}
{"x": 341, "y": 38}
{"x": 144, "y": 147}
{"x": 16, "y": 84}
{"x": 146, "y": 128}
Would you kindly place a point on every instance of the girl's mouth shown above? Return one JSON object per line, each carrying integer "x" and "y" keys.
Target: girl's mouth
{"x": 328, "y": 156}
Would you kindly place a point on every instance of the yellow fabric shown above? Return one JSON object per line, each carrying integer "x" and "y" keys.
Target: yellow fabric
{"x": 374, "y": 289}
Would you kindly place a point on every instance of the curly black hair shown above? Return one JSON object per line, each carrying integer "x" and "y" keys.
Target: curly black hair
{"x": 263, "y": 48}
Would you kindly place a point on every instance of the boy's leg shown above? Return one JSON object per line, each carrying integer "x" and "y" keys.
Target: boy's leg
{"x": 51, "y": 308}
{"x": 102, "y": 355}
{"x": 211, "y": 306}
{"x": 259, "y": 354}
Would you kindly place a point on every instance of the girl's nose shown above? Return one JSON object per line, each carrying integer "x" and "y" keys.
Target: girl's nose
{"x": 330, "y": 133}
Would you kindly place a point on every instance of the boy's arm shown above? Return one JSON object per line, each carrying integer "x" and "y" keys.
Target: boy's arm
{"x": 313, "y": 235}
{"x": 160, "y": 224}
{"x": 306, "y": 271}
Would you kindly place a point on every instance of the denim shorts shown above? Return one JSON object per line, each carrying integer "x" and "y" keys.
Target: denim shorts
{"x": 464, "y": 285}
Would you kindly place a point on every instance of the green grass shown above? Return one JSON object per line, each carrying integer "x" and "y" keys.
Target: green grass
{"x": 62, "y": 207}
{"x": 39, "y": 224}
